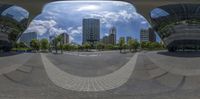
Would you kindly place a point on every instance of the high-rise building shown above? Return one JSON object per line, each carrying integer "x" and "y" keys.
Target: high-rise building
{"x": 65, "y": 38}
{"x": 144, "y": 35}
{"x": 152, "y": 35}
{"x": 27, "y": 37}
{"x": 105, "y": 40}
{"x": 147, "y": 35}
{"x": 91, "y": 31}
{"x": 112, "y": 36}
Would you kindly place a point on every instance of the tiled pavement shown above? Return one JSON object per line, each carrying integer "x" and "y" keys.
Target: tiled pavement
{"x": 147, "y": 81}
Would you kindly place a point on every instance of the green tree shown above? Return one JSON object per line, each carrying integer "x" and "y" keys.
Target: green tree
{"x": 145, "y": 45}
{"x": 16, "y": 45}
{"x": 80, "y": 48}
{"x": 133, "y": 45}
{"x": 100, "y": 46}
{"x": 44, "y": 44}
{"x": 59, "y": 40}
{"x": 86, "y": 46}
{"x": 151, "y": 45}
{"x": 22, "y": 45}
{"x": 55, "y": 43}
{"x": 121, "y": 43}
{"x": 109, "y": 46}
{"x": 67, "y": 47}
{"x": 35, "y": 44}
{"x": 130, "y": 43}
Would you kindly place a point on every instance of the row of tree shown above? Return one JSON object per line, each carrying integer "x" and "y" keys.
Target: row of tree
{"x": 57, "y": 44}
{"x": 152, "y": 45}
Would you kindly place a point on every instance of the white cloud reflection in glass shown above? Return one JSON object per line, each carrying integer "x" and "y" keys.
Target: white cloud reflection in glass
{"x": 16, "y": 12}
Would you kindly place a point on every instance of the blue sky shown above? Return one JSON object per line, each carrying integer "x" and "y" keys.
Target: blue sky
{"x": 66, "y": 16}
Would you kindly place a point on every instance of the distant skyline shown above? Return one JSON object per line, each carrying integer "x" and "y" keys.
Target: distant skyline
{"x": 66, "y": 17}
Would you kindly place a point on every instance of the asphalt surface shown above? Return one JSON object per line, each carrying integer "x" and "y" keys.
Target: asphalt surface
{"x": 147, "y": 81}
{"x": 90, "y": 64}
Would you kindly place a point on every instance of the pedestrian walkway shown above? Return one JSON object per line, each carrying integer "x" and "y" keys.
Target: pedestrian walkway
{"x": 99, "y": 83}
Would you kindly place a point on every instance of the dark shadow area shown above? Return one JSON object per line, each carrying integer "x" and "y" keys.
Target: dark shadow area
{"x": 5, "y": 54}
{"x": 181, "y": 54}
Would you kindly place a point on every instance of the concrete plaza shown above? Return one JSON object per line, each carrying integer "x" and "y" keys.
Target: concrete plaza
{"x": 100, "y": 75}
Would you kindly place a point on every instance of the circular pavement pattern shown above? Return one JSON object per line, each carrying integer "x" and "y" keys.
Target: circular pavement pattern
{"x": 99, "y": 83}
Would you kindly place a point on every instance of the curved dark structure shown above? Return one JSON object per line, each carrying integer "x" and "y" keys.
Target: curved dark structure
{"x": 13, "y": 21}
{"x": 178, "y": 25}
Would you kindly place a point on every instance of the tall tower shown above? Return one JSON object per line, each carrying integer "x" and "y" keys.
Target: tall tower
{"x": 147, "y": 35}
{"x": 112, "y": 36}
{"x": 91, "y": 31}
{"x": 65, "y": 38}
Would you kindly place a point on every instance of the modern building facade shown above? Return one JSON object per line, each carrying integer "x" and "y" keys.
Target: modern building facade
{"x": 65, "y": 37}
{"x": 152, "y": 35}
{"x": 147, "y": 35}
{"x": 105, "y": 40}
{"x": 112, "y": 35}
{"x": 111, "y": 38}
{"x": 27, "y": 37}
{"x": 91, "y": 31}
{"x": 178, "y": 25}
{"x": 13, "y": 21}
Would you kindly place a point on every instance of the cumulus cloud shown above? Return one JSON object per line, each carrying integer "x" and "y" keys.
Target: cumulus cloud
{"x": 88, "y": 8}
{"x": 71, "y": 39}
{"x": 106, "y": 34}
{"x": 120, "y": 3}
{"x": 56, "y": 31}
{"x": 73, "y": 31}
{"x": 108, "y": 17}
{"x": 144, "y": 22}
{"x": 40, "y": 26}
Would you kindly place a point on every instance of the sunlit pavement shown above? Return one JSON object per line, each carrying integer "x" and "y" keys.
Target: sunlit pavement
{"x": 90, "y": 84}
{"x": 176, "y": 77}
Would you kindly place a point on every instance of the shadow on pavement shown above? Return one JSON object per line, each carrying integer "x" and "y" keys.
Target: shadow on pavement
{"x": 181, "y": 54}
{"x": 9, "y": 54}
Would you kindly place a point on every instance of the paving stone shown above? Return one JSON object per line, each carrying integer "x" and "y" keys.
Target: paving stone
{"x": 16, "y": 76}
{"x": 191, "y": 82}
{"x": 170, "y": 80}
{"x": 70, "y": 82}
{"x": 156, "y": 72}
{"x": 141, "y": 74}
{"x": 185, "y": 72}
{"x": 26, "y": 69}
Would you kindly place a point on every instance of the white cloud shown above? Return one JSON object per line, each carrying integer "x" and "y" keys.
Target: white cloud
{"x": 109, "y": 25}
{"x": 120, "y": 3}
{"x": 144, "y": 22}
{"x": 40, "y": 26}
{"x": 88, "y": 8}
{"x": 73, "y": 31}
{"x": 56, "y": 31}
{"x": 108, "y": 17}
{"x": 125, "y": 15}
{"x": 106, "y": 34}
{"x": 71, "y": 39}
{"x": 69, "y": 29}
